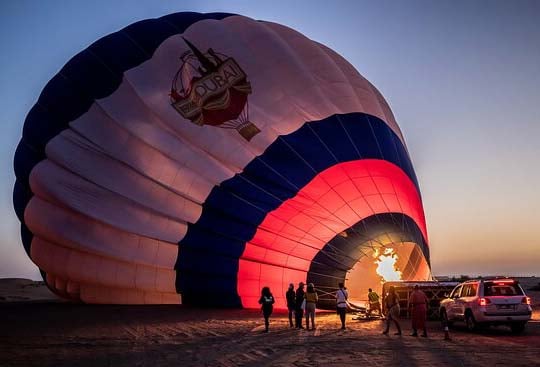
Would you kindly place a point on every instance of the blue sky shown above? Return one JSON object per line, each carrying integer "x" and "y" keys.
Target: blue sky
{"x": 461, "y": 77}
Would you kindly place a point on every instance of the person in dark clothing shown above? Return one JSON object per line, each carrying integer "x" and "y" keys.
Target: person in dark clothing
{"x": 291, "y": 303}
{"x": 299, "y": 311}
{"x": 266, "y": 301}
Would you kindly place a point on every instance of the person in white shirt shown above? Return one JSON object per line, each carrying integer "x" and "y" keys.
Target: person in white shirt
{"x": 341, "y": 303}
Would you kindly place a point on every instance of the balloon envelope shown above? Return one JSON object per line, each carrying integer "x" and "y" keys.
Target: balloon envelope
{"x": 196, "y": 158}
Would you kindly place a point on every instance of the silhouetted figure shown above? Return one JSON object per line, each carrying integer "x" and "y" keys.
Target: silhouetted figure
{"x": 266, "y": 301}
{"x": 291, "y": 303}
{"x": 299, "y": 312}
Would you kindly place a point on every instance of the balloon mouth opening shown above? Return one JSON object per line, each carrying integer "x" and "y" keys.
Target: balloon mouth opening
{"x": 385, "y": 264}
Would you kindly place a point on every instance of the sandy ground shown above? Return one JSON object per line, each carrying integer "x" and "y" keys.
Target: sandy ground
{"x": 46, "y": 333}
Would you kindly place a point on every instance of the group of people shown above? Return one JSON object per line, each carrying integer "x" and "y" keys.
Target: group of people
{"x": 300, "y": 302}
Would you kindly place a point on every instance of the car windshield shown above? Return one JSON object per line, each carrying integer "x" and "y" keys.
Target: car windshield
{"x": 502, "y": 289}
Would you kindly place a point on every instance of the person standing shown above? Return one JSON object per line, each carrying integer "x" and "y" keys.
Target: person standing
{"x": 341, "y": 303}
{"x": 311, "y": 298}
{"x": 267, "y": 306}
{"x": 299, "y": 311}
{"x": 392, "y": 310}
{"x": 419, "y": 303}
{"x": 374, "y": 304}
{"x": 290, "y": 296}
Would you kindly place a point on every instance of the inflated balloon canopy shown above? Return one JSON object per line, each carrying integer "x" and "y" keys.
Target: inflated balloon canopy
{"x": 196, "y": 158}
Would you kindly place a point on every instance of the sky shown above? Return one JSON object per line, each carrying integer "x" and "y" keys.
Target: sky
{"x": 462, "y": 78}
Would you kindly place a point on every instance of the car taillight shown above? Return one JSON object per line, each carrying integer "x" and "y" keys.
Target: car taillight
{"x": 484, "y": 301}
{"x": 526, "y": 300}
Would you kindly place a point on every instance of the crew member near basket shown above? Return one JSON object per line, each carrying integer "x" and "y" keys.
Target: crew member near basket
{"x": 374, "y": 303}
{"x": 418, "y": 303}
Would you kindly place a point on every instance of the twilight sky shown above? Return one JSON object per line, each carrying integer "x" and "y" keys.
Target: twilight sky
{"x": 461, "y": 76}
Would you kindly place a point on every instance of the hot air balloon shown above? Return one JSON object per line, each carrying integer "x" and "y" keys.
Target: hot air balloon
{"x": 196, "y": 158}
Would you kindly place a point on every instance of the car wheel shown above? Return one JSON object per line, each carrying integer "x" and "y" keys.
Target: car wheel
{"x": 444, "y": 318}
{"x": 470, "y": 322}
{"x": 517, "y": 327}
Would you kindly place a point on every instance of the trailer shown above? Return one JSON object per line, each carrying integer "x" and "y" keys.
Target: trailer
{"x": 434, "y": 290}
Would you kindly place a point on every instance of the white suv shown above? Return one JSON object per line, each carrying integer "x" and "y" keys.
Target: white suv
{"x": 487, "y": 302}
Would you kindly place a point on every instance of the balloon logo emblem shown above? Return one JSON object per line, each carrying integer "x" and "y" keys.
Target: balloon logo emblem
{"x": 212, "y": 89}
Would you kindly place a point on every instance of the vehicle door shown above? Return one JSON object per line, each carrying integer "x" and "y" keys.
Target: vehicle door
{"x": 467, "y": 299}
{"x": 451, "y": 308}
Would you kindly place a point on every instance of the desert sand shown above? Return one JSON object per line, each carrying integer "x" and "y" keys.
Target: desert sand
{"x": 49, "y": 332}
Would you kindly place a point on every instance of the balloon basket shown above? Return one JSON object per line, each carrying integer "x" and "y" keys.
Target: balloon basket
{"x": 248, "y": 130}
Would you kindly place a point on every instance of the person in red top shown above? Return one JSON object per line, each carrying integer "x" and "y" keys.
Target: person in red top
{"x": 418, "y": 303}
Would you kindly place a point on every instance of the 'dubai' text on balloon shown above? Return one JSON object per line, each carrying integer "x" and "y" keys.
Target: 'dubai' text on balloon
{"x": 217, "y": 96}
